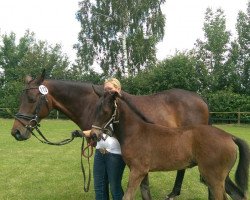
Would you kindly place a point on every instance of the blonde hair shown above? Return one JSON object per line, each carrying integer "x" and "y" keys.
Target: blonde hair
{"x": 114, "y": 81}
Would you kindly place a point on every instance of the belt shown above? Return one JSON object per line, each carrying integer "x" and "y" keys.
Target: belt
{"x": 103, "y": 150}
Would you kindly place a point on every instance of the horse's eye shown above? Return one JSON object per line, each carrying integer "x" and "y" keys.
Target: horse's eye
{"x": 31, "y": 98}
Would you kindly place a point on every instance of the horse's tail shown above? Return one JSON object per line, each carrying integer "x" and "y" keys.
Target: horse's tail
{"x": 242, "y": 171}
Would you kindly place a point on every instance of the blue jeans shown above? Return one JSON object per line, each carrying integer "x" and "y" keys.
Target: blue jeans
{"x": 108, "y": 171}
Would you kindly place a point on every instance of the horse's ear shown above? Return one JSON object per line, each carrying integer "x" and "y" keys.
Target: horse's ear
{"x": 98, "y": 90}
{"x": 40, "y": 79}
{"x": 27, "y": 79}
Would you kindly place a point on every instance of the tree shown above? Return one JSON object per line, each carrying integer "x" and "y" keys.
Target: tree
{"x": 119, "y": 34}
{"x": 28, "y": 56}
{"x": 243, "y": 47}
{"x": 213, "y": 51}
{"x": 178, "y": 71}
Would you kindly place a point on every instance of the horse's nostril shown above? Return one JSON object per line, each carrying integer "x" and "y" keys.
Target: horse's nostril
{"x": 17, "y": 135}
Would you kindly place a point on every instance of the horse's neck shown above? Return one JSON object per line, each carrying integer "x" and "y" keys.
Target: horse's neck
{"x": 77, "y": 102}
{"x": 128, "y": 120}
{"x": 140, "y": 101}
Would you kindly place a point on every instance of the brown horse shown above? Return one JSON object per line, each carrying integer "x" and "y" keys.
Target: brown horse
{"x": 77, "y": 101}
{"x": 149, "y": 147}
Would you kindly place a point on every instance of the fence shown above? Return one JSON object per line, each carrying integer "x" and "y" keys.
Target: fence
{"x": 216, "y": 117}
{"x": 230, "y": 117}
{"x": 10, "y": 112}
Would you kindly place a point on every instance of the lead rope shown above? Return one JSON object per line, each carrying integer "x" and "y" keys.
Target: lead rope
{"x": 63, "y": 142}
{"x": 88, "y": 155}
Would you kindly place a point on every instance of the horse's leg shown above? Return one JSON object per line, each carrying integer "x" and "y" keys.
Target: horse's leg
{"x": 177, "y": 185}
{"x": 216, "y": 188}
{"x": 232, "y": 190}
{"x": 145, "y": 191}
{"x": 210, "y": 195}
{"x": 214, "y": 177}
{"x": 135, "y": 178}
{"x": 218, "y": 193}
{"x": 216, "y": 185}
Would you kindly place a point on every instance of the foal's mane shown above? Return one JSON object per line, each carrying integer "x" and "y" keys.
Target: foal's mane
{"x": 135, "y": 110}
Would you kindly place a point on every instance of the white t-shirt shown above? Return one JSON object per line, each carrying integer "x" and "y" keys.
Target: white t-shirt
{"x": 111, "y": 144}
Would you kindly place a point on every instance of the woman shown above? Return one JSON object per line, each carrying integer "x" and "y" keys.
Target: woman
{"x": 108, "y": 163}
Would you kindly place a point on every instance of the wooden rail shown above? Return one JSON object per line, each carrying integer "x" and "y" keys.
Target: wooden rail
{"x": 239, "y": 114}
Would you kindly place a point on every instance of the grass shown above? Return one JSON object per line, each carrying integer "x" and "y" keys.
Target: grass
{"x": 32, "y": 170}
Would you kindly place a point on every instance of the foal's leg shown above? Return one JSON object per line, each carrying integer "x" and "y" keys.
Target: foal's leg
{"x": 177, "y": 185}
{"x": 232, "y": 190}
{"x": 145, "y": 191}
{"x": 135, "y": 178}
{"x": 216, "y": 185}
{"x": 210, "y": 195}
{"x": 215, "y": 178}
{"x": 218, "y": 192}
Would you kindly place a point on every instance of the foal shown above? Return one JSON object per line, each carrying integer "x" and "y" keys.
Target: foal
{"x": 149, "y": 147}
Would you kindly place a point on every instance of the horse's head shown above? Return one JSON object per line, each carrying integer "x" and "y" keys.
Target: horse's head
{"x": 34, "y": 106}
{"x": 105, "y": 114}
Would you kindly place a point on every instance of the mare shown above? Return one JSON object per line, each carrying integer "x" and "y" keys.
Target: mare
{"x": 149, "y": 147}
{"x": 77, "y": 101}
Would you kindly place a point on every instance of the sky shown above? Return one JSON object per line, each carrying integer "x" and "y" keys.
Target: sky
{"x": 55, "y": 21}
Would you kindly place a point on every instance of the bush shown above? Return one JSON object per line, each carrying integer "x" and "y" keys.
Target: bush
{"x": 226, "y": 101}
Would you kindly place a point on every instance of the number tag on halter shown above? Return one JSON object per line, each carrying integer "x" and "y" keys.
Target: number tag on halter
{"x": 43, "y": 89}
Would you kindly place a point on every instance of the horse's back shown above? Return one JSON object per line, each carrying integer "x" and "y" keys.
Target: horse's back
{"x": 172, "y": 108}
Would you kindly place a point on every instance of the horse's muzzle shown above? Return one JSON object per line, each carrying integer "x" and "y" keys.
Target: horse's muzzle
{"x": 94, "y": 138}
{"x": 17, "y": 135}
{"x": 95, "y": 135}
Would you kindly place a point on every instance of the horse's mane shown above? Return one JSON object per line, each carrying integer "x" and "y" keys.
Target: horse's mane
{"x": 71, "y": 84}
{"x": 135, "y": 110}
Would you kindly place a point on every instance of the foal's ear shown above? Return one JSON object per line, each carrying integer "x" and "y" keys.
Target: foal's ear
{"x": 40, "y": 79}
{"x": 98, "y": 90}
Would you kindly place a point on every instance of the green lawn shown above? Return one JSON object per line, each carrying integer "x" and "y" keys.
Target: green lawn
{"x": 32, "y": 170}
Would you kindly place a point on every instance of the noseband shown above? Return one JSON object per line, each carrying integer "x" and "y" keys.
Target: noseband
{"x": 112, "y": 120}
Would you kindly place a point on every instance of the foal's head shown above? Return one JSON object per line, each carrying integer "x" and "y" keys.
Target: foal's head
{"x": 105, "y": 114}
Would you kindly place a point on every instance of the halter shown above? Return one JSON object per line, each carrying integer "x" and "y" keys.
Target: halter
{"x": 34, "y": 119}
{"x": 113, "y": 120}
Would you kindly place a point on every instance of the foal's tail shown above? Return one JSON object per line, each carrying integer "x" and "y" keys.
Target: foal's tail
{"x": 242, "y": 171}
